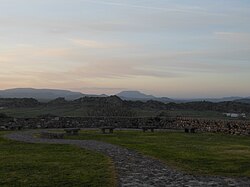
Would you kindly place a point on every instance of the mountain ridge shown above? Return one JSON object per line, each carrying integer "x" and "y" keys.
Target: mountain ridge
{"x": 51, "y": 94}
{"x": 42, "y": 94}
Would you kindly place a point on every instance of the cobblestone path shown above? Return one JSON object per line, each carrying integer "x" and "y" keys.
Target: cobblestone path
{"x": 135, "y": 169}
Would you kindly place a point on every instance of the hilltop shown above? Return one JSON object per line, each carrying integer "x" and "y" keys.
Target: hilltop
{"x": 115, "y": 106}
{"x": 43, "y": 94}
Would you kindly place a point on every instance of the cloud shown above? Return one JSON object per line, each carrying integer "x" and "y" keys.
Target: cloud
{"x": 5, "y": 58}
{"x": 118, "y": 68}
{"x": 243, "y": 37}
{"x": 100, "y": 90}
{"x": 66, "y": 64}
{"x": 207, "y": 61}
{"x": 183, "y": 9}
{"x": 96, "y": 44}
{"x": 164, "y": 17}
{"x": 89, "y": 43}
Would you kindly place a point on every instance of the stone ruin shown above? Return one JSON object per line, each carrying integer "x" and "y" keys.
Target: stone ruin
{"x": 237, "y": 127}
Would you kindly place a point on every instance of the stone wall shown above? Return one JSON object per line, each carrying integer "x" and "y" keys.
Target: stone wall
{"x": 202, "y": 125}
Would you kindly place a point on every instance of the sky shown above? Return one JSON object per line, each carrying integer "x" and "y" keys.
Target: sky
{"x": 173, "y": 48}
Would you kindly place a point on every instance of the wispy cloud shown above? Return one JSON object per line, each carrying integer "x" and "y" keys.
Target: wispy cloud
{"x": 102, "y": 44}
{"x": 184, "y": 9}
{"x": 96, "y": 44}
{"x": 234, "y": 36}
{"x": 116, "y": 69}
{"x": 99, "y": 90}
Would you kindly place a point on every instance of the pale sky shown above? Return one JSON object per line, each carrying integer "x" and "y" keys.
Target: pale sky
{"x": 173, "y": 48}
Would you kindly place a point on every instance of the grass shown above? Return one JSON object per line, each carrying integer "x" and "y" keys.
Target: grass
{"x": 23, "y": 164}
{"x": 70, "y": 111}
{"x": 184, "y": 113}
{"x": 198, "y": 114}
{"x": 208, "y": 154}
{"x": 77, "y": 111}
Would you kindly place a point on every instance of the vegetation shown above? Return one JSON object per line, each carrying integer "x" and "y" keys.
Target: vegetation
{"x": 210, "y": 154}
{"x": 114, "y": 106}
{"x": 71, "y": 111}
{"x": 3, "y": 116}
{"x": 17, "y": 102}
{"x": 183, "y": 113}
{"x": 24, "y": 164}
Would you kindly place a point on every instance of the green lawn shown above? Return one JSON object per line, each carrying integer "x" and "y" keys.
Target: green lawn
{"x": 23, "y": 164}
{"x": 209, "y": 154}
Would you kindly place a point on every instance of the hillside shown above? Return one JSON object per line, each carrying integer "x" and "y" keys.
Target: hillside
{"x": 134, "y": 95}
{"x": 18, "y": 103}
{"x": 114, "y": 106}
{"x": 45, "y": 95}
{"x": 138, "y": 96}
{"x": 42, "y": 94}
{"x": 246, "y": 100}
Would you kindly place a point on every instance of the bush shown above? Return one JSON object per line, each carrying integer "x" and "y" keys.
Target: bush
{"x": 2, "y": 115}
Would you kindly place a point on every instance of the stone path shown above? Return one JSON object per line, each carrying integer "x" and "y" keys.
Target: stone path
{"x": 135, "y": 169}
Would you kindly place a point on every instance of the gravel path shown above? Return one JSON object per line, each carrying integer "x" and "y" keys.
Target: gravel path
{"x": 137, "y": 170}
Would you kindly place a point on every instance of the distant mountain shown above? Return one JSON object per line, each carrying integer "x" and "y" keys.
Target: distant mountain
{"x": 46, "y": 95}
{"x": 166, "y": 100}
{"x": 138, "y": 96}
{"x": 41, "y": 94}
{"x": 134, "y": 95}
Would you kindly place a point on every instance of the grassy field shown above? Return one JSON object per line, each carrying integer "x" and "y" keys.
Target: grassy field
{"x": 26, "y": 165}
{"x": 73, "y": 111}
{"x": 209, "y": 154}
{"x": 70, "y": 111}
{"x": 186, "y": 113}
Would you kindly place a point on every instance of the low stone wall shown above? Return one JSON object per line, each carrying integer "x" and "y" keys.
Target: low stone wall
{"x": 237, "y": 127}
{"x": 202, "y": 125}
